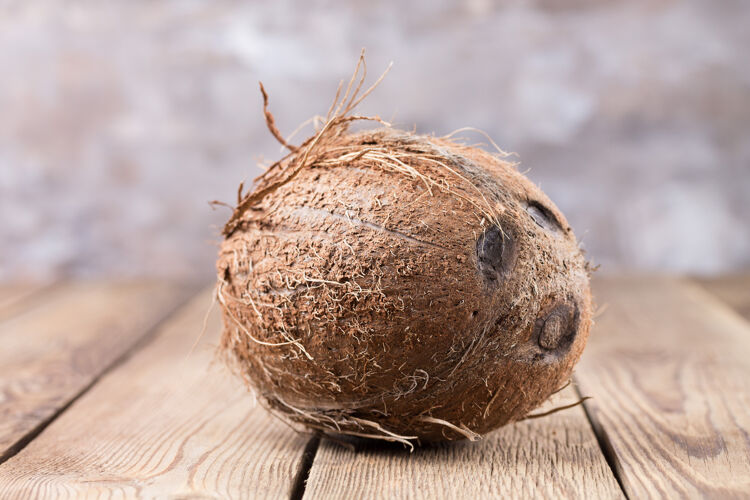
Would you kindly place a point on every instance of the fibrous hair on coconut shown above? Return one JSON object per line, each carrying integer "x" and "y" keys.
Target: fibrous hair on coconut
{"x": 398, "y": 286}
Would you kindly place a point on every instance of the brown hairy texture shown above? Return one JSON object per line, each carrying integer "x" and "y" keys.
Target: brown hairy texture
{"x": 399, "y": 286}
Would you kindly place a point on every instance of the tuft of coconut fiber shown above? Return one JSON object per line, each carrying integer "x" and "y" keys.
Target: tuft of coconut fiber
{"x": 399, "y": 286}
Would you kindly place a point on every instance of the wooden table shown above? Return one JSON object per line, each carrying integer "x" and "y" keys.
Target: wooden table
{"x": 106, "y": 390}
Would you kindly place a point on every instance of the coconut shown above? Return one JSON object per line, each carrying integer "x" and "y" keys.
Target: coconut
{"x": 405, "y": 287}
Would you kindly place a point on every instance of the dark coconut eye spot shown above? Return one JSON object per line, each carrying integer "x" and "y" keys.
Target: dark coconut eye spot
{"x": 555, "y": 331}
{"x": 543, "y": 216}
{"x": 496, "y": 255}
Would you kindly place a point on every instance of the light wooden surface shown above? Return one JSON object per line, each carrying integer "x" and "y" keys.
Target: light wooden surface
{"x": 14, "y": 298}
{"x": 164, "y": 423}
{"x": 734, "y": 290}
{"x": 554, "y": 457}
{"x": 54, "y": 350}
{"x": 668, "y": 366}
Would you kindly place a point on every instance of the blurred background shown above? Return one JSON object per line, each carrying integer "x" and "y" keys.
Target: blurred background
{"x": 120, "y": 120}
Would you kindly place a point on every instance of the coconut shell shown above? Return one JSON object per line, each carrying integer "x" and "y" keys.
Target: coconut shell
{"x": 400, "y": 286}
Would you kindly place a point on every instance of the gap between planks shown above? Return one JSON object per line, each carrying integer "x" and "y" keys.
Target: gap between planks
{"x": 166, "y": 422}
{"x": 605, "y": 445}
{"x": 60, "y": 345}
{"x": 303, "y": 474}
{"x": 553, "y": 457}
{"x": 311, "y": 450}
{"x": 668, "y": 366}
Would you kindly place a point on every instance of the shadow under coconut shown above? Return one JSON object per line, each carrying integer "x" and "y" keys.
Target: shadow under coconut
{"x": 550, "y": 457}
{"x": 559, "y": 415}
{"x": 376, "y": 447}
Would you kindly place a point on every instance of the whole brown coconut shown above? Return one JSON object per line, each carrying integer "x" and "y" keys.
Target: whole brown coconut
{"x": 400, "y": 286}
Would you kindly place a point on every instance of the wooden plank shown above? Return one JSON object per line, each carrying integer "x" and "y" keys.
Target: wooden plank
{"x": 17, "y": 297}
{"x": 669, "y": 369}
{"x": 734, "y": 290}
{"x": 553, "y": 457}
{"x": 165, "y": 423}
{"x": 55, "y": 350}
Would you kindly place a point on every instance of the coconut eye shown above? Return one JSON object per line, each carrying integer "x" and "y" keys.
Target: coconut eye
{"x": 496, "y": 254}
{"x": 556, "y": 330}
{"x": 543, "y": 216}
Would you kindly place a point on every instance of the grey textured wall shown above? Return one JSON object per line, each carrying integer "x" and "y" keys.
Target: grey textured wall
{"x": 119, "y": 120}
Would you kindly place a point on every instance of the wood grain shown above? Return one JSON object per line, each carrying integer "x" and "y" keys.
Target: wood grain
{"x": 55, "y": 350}
{"x": 553, "y": 457}
{"x": 669, "y": 369}
{"x": 166, "y": 423}
{"x": 734, "y": 290}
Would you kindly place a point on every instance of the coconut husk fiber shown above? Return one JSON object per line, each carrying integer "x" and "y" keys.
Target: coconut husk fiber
{"x": 398, "y": 286}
